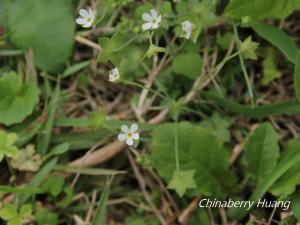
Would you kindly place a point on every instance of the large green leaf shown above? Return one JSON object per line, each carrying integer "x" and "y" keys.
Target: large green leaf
{"x": 199, "y": 151}
{"x": 278, "y": 38}
{"x": 261, "y": 151}
{"x": 48, "y": 27}
{"x": 260, "y": 9}
{"x": 17, "y": 100}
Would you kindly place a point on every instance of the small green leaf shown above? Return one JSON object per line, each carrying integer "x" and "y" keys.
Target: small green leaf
{"x": 182, "y": 180}
{"x": 154, "y": 50}
{"x": 44, "y": 217}
{"x": 8, "y": 212}
{"x": 54, "y": 185}
{"x": 7, "y": 148}
{"x": 295, "y": 200}
{"x": 15, "y": 221}
{"x": 261, "y": 151}
{"x": 270, "y": 71}
{"x": 188, "y": 64}
{"x": 26, "y": 211}
{"x": 97, "y": 119}
{"x": 248, "y": 48}
{"x": 17, "y": 100}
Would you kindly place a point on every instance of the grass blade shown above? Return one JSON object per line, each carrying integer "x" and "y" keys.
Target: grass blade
{"x": 297, "y": 76}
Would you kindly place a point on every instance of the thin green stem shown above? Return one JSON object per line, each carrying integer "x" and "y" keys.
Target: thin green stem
{"x": 125, "y": 44}
{"x": 149, "y": 89}
{"x": 176, "y": 145}
{"x": 245, "y": 73}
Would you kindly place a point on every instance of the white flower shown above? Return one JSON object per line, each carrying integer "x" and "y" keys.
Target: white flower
{"x": 129, "y": 135}
{"x": 152, "y": 20}
{"x": 86, "y": 17}
{"x": 113, "y": 75}
{"x": 187, "y": 28}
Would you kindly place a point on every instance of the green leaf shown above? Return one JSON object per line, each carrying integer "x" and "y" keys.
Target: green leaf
{"x": 7, "y": 148}
{"x": 188, "y": 64}
{"x": 17, "y": 100}
{"x": 261, "y": 151}
{"x": 287, "y": 184}
{"x": 261, "y": 9}
{"x": 54, "y": 185}
{"x": 199, "y": 151}
{"x": 48, "y": 27}
{"x": 58, "y": 150}
{"x": 15, "y": 221}
{"x": 182, "y": 180}
{"x": 295, "y": 200}
{"x": 248, "y": 48}
{"x": 297, "y": 76}
{"x": 8, "y": 212}
{"x": 278, "y": 38}
{"x": 270, "y": 70}
{"x": 44, "y": 217}
{"x": 75, "y": 68}
{"x": 218, "y": 126}
{"x": 26, "y": 211}
{"x": 102, "y": 205}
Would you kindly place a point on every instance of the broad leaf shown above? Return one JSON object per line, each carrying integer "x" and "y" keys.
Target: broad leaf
{"x": 260, "y": 9}
{"x": 270, "y": 71}
{"x": 199, "y": 151}
{"x": 261, "y": 151}
{"x": 48, "y": 27}
{"x": 17, "y": 100}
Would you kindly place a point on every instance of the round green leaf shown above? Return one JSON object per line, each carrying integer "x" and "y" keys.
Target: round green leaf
{"x": 17, "y": 100}
{"x": 48, "y": 27}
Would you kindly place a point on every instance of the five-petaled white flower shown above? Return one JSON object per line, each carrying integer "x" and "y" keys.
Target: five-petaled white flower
{"x": 129, "y": 135}
{"x": 114, "y": 75}
{"x": 152, "y": 20}
{"x": 86, "y": 18}
{"x": 187, "y": 28}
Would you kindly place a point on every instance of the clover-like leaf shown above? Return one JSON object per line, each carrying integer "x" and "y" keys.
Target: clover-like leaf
{"x": 198, "y": 150}
{"x": 182, "y": 180}
{"x": 7, "y": 149}
{"x": 17, "y": 99}
{"x": 27, "y": 160}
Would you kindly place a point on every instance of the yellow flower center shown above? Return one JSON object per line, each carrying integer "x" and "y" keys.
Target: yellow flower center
{"x": 154, "y": 21}
{"x": 129, "y": 134}
{"x": 89, "y": 19}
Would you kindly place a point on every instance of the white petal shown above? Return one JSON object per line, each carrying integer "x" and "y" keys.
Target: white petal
{"x": 80, "y": 21}
{"x": 147, "y": 17}
{"x": 147, "y": 26}
{"x": 129, "y": 141}
{"x": 153, "y": 13}
{"x": 155, "y": 25}
{"x": 136, "y": 136}
{"x": 159, "y": 19}
{"x": 88, "y": 24}
{"x": 122, "y": 137}
{"x": 134, "y": 127}
{"x": 92, "y": 13}
{"x": 83, "y": 12}
{"x": 125, "y": 128}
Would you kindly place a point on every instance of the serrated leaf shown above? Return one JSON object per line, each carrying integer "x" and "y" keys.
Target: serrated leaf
{"x": 17, "y": 100}
{"x": 7, "y": 147}
{"x": 199, "y": 151}
{"x": 261, "y": 9}
{"x": 182, "y": 180}
{"x": 261, "y": 151}
{"x": 48, "y": 27}
{"x": 248, "y": 48}
{"x": 270, "y": 71}
{"x": 187, "y": 64}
